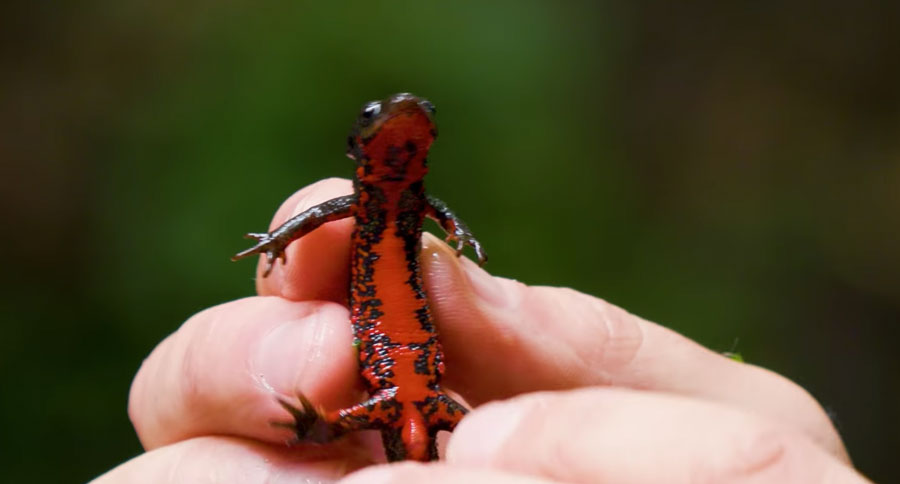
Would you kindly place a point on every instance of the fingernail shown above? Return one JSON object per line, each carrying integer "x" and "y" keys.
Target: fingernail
{"x": 484, "y": 434}
{"x": 275, "y": 359}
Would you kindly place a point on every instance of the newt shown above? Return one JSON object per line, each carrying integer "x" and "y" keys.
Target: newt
{"x": 400, "y": 357}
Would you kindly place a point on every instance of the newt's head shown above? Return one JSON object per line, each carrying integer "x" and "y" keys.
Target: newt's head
{"x": 390, "y": 138}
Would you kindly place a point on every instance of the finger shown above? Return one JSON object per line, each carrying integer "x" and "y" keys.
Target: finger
{"x": 503, "y": 338}
{"x": 228, "y": 460}
{"x": 408, "y": 473}
{"x": 318, "y": 266}
{"x": 221, "y": 371}
{"x": 616, "y": 435}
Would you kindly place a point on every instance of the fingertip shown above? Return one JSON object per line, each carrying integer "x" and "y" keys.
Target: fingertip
{"x": 500, "y": 336}
{"x": 309, "y": 196}
{"x": 316, "y": 265}
{"x": 608, "y": 435}
{"x": 450, "y": 275}
{"x": 220, "y": 373}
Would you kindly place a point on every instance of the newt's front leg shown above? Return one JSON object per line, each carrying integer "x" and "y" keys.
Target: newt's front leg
{"x": 455, "y": 228}
{"x": 273, "y": 243}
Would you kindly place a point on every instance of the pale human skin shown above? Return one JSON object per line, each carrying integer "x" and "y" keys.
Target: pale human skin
{"x": 565, "y": 387}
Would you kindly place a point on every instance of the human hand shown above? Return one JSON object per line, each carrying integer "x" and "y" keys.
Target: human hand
{"x": 619, "y": 399}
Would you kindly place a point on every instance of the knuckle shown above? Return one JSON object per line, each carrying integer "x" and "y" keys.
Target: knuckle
{"x": 616, "y": 336}
{"x": 762, "y": 453}
{"x": 192, "y": 365}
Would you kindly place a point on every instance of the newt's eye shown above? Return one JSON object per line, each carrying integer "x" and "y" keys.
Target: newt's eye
{"x": 428, "y": 106}
{"x": 371, "y": 110}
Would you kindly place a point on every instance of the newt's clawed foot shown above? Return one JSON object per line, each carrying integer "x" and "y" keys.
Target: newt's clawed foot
{"x": 267, "y": 244}
{"x": 463, "y": 237}
{"x": 309, "y": 425}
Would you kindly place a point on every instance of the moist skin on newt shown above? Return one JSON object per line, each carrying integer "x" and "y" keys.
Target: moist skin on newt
{"x": 400, "y": 356}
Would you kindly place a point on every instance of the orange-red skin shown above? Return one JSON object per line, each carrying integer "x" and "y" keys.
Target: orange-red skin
{"x": 400, "y": 356}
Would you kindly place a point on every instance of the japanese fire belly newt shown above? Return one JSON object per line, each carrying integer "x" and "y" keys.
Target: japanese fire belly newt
{"x": 400, "y": 356}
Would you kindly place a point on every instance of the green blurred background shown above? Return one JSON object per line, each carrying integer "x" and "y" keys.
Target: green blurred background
{"x": 728, "y": 169}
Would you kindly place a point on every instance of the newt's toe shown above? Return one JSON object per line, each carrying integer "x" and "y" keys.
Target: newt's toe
{"x": 309, "y": 424}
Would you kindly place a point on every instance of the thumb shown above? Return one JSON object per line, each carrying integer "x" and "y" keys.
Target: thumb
{"x": 503, "y": 338}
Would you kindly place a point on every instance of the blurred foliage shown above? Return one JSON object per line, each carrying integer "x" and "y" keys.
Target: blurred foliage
{"x": 731, "y": 170}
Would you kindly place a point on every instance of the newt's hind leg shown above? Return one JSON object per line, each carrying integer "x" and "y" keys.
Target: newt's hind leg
{"x": 442, "y": 412}
{"x": 312, "y": 425}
